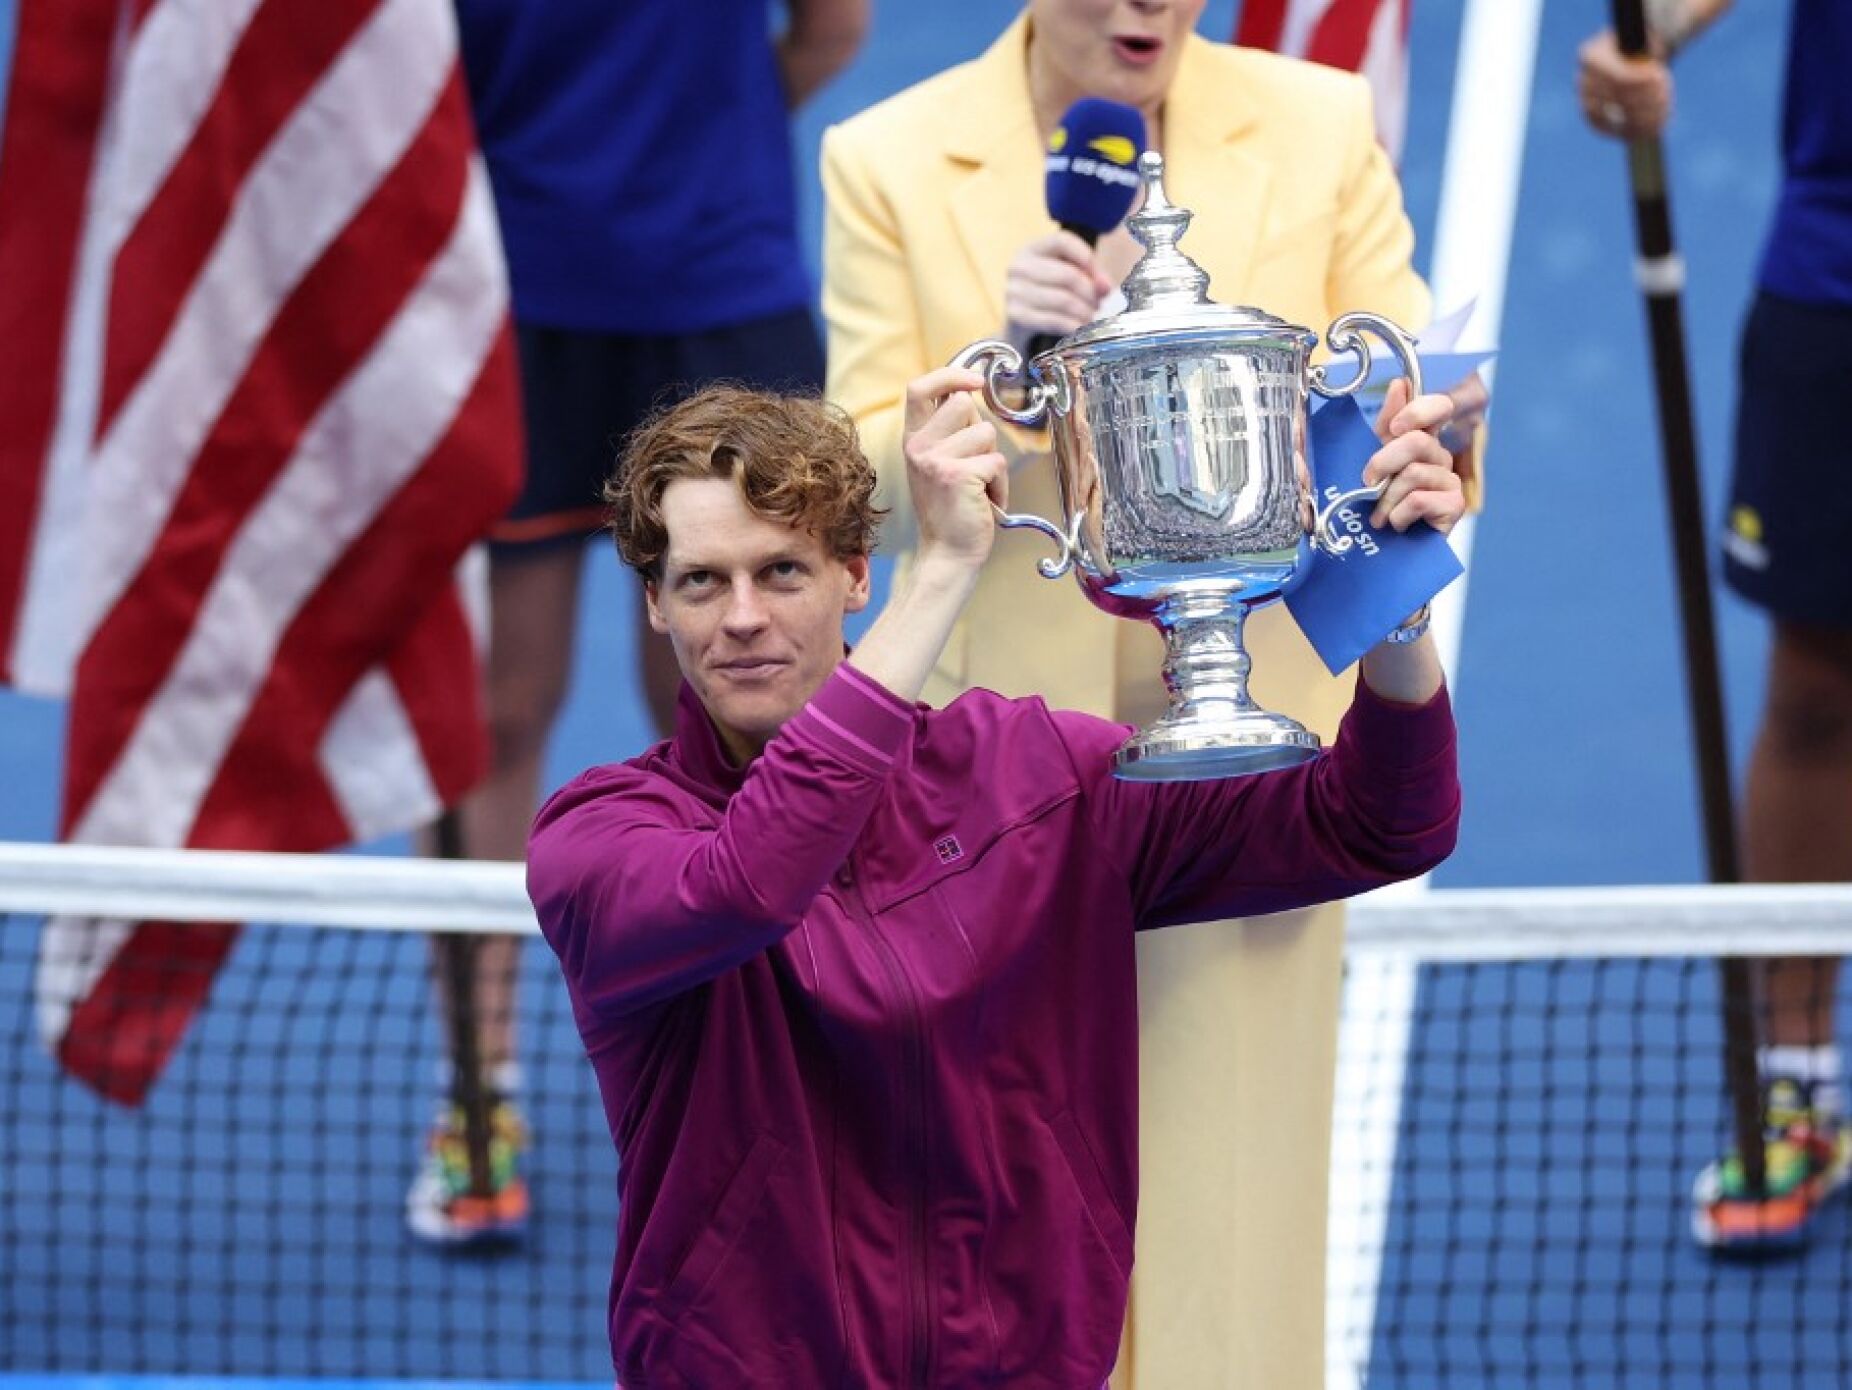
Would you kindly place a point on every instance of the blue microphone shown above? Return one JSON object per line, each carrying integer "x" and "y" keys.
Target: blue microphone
{"x": 1091, "y": 173}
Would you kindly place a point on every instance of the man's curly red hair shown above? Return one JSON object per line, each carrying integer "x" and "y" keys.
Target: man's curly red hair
{"x": 796, "y": 459}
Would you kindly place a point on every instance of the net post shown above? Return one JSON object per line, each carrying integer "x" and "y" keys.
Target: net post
{"x": 1652, "y": 211}
{"x": 457, "y": 954}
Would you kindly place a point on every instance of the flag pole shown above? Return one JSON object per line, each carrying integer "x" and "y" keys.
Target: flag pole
{"x": 1661, "y": 275}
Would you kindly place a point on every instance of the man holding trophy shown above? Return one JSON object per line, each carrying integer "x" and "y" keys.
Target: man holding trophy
{"x": 856, "y": 975}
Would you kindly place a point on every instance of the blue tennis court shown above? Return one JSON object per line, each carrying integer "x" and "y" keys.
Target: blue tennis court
{"x": 1577, "y": 770}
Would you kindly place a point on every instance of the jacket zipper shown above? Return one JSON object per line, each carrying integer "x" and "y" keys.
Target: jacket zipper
{"x": 916, "y": 1345}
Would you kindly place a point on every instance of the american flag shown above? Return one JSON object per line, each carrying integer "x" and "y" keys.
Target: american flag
{"x": 1366, "y": 36}
{"x": 260, "y": 407}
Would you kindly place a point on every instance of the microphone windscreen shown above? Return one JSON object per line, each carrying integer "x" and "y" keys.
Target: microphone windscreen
{"x": 1092, "y": 164}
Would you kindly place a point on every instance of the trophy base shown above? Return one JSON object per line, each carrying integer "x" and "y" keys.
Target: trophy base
{"x": 1199, "y": 749}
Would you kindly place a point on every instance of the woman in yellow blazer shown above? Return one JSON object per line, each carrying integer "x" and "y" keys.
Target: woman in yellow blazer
{"x": 930, "y": 197}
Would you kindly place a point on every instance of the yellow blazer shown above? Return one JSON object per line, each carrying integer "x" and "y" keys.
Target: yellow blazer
{"x": 930, "y": 193}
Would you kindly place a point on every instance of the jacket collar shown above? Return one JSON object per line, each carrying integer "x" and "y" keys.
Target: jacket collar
{"x": 1207, "y": 168}
{"x": 698, "y": 751}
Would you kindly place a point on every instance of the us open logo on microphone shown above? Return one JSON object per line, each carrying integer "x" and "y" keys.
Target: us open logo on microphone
{"x": 1090, "y": 171}
{"x": 1111, "y": 161}
{"x": 1087, "y": 167}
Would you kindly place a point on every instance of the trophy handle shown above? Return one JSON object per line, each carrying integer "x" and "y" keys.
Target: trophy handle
{"x": 1344, "y": 336}
{"x": 1055, "y": 565}
{"x": 1001, "y": 362}
{"x": 1325, "y": 535}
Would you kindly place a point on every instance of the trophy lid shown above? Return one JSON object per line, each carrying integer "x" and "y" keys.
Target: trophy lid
{"x": 1167, "y": 292}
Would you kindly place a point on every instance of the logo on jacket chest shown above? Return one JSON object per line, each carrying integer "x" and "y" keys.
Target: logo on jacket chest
{"x": 948, "y": 849}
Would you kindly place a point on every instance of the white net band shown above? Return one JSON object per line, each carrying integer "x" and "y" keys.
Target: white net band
{"x": 399, "y": 894}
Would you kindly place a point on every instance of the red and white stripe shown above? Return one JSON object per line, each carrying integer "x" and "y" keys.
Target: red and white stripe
{"x": 1364, "y": 36}
{"x": 271, "y": 411}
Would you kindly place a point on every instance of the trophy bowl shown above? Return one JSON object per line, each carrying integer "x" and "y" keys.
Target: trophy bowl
{"x": 1178, "y": 429}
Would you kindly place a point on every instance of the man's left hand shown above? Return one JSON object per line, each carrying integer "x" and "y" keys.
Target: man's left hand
{"x": 1414, "y": 466}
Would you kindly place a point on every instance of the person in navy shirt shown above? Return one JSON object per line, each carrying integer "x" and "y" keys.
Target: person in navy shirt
{"x": 640, "y": 157}
{"x": 1784, "y": 549}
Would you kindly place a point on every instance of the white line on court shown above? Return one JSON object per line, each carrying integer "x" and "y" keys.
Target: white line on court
{"x": 1472, "y": 250}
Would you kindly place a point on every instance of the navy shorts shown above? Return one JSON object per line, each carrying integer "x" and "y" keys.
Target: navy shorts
{"x": 1787, "y": 543}
{"x": 582, "y": 393}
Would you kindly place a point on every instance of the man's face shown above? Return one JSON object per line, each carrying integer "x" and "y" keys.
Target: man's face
{"x": 754, "y": 609}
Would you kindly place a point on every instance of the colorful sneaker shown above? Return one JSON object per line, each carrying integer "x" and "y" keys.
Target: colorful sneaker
{"x": 442, "y": 1209}
{"x": 1808, "y": 1158}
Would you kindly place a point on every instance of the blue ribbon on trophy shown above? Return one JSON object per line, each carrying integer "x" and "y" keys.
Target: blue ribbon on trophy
{"x": 1346, "y": 603}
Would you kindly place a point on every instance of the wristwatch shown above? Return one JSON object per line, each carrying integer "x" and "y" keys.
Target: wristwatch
{"x": 1413, "y": 627}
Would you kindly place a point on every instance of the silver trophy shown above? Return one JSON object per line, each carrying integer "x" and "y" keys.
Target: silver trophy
{"x": 1179, "y": 436}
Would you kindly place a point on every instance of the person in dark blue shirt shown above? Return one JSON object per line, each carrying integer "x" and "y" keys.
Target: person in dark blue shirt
{"x": 1785, "y": 549}
{"x": 640, "y": 156}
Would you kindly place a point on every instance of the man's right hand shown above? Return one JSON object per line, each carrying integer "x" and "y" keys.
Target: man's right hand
{"x": 1054, "y": 285}
{"x": 954, "y": 468}
{"x": 955, "y": 472}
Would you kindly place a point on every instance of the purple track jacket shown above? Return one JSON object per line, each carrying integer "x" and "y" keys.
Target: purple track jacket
{"x": 864, "y": 1016}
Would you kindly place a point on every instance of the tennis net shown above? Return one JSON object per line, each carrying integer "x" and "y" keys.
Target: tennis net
{"x": 248, "y": 1217}
{"x": 1529, "y": 1080}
